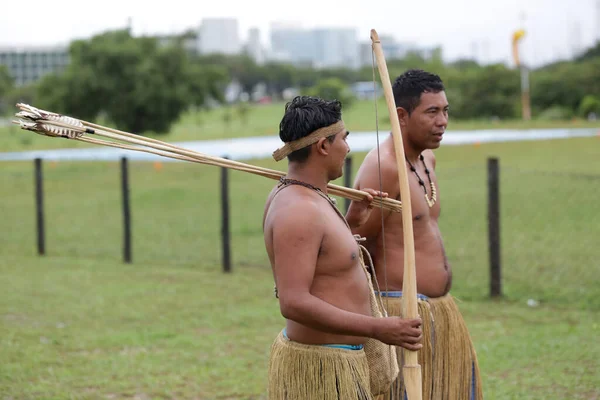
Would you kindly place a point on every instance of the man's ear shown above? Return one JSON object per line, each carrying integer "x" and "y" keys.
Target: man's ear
{"x": 402, "y": 116}
{"x": 322, "y": 146}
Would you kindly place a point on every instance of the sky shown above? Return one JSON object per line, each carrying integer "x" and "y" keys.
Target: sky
{"x": 476, "y": 29}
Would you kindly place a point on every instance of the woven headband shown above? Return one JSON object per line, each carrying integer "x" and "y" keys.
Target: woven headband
{"x": 301, "y": 143}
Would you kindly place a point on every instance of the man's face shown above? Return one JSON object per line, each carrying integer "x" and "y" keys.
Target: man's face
{"x": 338, "y": 150}
{"x": 428, "y": 121}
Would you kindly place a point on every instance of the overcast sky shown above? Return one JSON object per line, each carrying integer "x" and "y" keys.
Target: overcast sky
{"x": 465, "y": 28}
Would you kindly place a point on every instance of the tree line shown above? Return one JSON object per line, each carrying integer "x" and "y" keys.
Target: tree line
{"x": 142, "y": 85}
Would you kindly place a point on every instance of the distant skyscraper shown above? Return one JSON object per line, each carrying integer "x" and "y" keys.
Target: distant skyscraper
{"x": 394, "y": 49}
{"x": 219, "y": 35}
{"x": 336, "y": 47}
{"x": 365, "y": 54}
{"x": 292, "y": 44}
{"x": 391, "y": 49}
{"x": 597, "y": 20}
{"x": 254, "y": 47}
{"x": 320, "y": 48}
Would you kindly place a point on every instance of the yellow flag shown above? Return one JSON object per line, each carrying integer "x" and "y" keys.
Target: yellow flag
{"x": 518, "y": 35}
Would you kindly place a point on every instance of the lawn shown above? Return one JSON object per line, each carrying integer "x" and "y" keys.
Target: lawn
{"x": 88, "y": 329}
{"x": 78, "y": 323}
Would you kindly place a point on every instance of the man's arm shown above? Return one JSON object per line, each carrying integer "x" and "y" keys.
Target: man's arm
{"x": 430, "y": 161}
{"x": 297, "y": 237}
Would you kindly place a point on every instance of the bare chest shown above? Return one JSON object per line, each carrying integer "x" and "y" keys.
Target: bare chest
{"x": 339, "y": 250}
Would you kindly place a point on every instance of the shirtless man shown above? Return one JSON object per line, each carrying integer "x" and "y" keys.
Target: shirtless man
{"x": 422, "y": 109}
{"x": 322, "y": 287}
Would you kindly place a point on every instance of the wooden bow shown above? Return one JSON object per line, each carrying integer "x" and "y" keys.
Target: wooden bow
{"x": 411, "y": 369}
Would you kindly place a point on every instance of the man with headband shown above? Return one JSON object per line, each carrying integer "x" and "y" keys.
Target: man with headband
{"x": 322, "y": 286}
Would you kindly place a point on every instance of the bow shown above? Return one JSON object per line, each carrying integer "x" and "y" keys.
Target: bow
{"x": 411, "y": 369}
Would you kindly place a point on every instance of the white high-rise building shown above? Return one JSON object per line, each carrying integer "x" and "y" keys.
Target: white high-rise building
{"x": 293, "y": 44}
{"x": 254, "y": 48}
{"x": 392, "y": 50}
{"x": 320, "y": 48}
{"x": 219, "y": 35}
{"x": 597, "y": 38}
{"x": 336, "y": 47}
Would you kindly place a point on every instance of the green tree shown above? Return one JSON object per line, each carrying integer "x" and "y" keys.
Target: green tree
{"x": 279, "y": 77}
{"x": 346, "y": 75}
{"x": 330, "y": 89}
{"x": 589, "y": 104}
{"x": 464, "y": 64}
{"x": 241, "y": 68}
{"x": 490, "y": 91}
{"x": 22, "y": 94}
{"x": 306, "y": 77}
{"x": 6, "y": 81}
{"x": 140, "y": 85}
{"x": 592, "y": 52}
{"x": 6, "y": 86}
{"x": 565, "y": 84}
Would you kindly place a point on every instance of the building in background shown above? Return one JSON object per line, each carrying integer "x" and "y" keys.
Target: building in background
{"x": 392, "y": 50}
{"x": 325, "y": 47}
{"x": 254, "y": 47}
{"x": 319, "y": 48}
{"x": 336, "y": 47}
{"x": 219, "y": 35}
{"x": 292, "y": 44}
{"x": 28, "y": 64}
{"x": 366, "y": 90}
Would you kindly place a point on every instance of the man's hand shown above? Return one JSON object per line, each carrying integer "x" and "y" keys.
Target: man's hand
{"x": 397, "y": 331}
{"x": 358, "y": 212}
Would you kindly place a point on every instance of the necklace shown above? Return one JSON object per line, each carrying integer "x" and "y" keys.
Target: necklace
{"x": 430, "y": 201}
{"x": 288, "y": 181}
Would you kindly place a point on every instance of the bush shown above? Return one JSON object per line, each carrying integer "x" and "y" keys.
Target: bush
{"x": 332, "y": 89}
{"x": 556, "y": 113}
{"x": 589, "y": 104}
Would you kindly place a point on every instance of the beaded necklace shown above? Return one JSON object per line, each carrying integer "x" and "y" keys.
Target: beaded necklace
{"x": 430, "y": 201}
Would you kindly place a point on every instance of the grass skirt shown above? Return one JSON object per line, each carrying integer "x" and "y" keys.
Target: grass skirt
{"x": 301, "y": 372}
{"x": 448, "y": 359}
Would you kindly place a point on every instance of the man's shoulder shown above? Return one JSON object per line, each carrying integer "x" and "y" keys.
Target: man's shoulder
{"x": 295, "y": 215}
{"x": 380, "y": 159}
{"x": 296, "y": 202}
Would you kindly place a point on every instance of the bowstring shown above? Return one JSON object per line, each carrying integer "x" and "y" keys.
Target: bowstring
{"x": 379, "y": 171}
{"x": 392, "y": 392}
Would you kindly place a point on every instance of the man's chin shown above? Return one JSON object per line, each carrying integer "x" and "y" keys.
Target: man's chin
{"x": 435, "y": 144}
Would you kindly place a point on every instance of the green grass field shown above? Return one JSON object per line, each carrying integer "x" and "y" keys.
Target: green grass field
{"x": 80, "y": 324}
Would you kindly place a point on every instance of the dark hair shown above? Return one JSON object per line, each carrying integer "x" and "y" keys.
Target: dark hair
{"x": 409, "y": 86}
{"x": 304, "y": 115}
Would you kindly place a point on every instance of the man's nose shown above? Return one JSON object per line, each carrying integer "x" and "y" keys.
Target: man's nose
{"x": 442, "y": 120}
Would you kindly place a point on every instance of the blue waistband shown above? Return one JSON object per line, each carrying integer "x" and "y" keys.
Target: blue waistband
{"x": 398, "y": 293}
{"x": 335, "y": 346}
